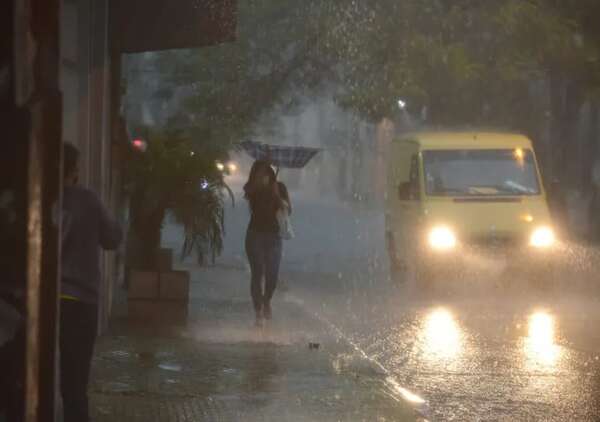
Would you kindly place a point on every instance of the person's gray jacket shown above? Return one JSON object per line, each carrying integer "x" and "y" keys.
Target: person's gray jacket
{"x": 87, "y": 227}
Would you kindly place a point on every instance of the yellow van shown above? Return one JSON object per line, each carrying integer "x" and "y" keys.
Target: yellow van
{"x": 455, "y": 195}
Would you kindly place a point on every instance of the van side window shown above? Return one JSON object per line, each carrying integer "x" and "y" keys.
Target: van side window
{"x": 414, "y": 177}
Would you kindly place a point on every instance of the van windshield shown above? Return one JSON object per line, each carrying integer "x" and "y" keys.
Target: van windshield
{"x": 500, "y": 172}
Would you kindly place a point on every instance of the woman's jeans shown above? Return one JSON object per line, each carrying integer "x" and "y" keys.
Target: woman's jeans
{"x": 264, "y": 254}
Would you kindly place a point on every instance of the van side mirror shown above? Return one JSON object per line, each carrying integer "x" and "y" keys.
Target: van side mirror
{"x": 404, "y": 192}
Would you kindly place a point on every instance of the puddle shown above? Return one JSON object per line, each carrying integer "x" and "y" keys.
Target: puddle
{"x": 120, "y": 354}
{"x": 168, "y": 366}
{"x": 117, "y": 387}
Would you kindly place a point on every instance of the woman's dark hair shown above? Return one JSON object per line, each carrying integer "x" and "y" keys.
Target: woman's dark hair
{"x": 71, "y": 158}
{"x": 258, "y": 165}
{"x": 278, "y": 189}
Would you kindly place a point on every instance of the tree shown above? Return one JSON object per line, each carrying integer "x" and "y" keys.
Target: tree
{"x": 229, "y": 87}
{"x": 555, "y": 41}
{"x": 522, "y": 65}
{"x": 173, "y": 174}
{"x": 511, "y": 63}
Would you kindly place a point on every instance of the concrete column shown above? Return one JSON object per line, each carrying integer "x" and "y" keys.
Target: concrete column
{"x": 37, "y": 59}
{"x": 100, "y": 129}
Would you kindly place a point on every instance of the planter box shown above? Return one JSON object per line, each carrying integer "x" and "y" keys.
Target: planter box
{"x": 158, "y": 311}
{"x": 159, "y": 297}
{"x": 165, "y": 260}
{"x": 143, "y": 285}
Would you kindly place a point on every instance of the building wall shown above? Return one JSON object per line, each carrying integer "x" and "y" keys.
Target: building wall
{"x": 85, "y": 84}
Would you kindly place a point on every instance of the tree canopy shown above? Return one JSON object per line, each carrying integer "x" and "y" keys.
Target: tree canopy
{"x": 516, "y": 64}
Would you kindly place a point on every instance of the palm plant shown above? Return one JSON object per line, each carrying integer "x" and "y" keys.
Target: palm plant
{"x": 170, "y": 173}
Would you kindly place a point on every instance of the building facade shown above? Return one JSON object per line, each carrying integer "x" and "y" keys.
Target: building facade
{"x": 59, "y": 81}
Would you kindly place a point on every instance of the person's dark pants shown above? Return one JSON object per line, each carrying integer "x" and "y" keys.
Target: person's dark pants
{"x": 78, "y": 328}
{"x": 264, "y": 254}
{"x": 12, "y": 392}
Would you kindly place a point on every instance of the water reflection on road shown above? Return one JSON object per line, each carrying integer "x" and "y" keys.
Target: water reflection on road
{"x": 442, "y": 337}
{"x": 540, "y": 346}
{"x": 495, "y": 358}
{"x": 478, "y": 349}
{"x": 443, "y": 340}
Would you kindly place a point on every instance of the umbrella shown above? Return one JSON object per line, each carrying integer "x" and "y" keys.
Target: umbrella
{"x": 279, "y": 155}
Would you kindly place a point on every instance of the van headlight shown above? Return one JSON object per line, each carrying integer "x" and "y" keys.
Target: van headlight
{"x": 542, "y": 237}
{"x": 442, "y": 238}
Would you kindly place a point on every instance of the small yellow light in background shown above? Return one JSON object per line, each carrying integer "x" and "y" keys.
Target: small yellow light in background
{"x": 527, "y": 218}
{"x": 519, "y": 154}
{"x": 232, "y": 167}
{"x": 220, "y": 166}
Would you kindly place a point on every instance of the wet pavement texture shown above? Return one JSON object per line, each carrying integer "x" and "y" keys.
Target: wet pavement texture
{"x": 481, "y": 354}
{"x": 222, "y": 368}
{"x": 483, "y": 348}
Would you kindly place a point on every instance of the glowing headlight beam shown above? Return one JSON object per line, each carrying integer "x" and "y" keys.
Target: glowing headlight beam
{"x": 442, "y": 238}
{"x": 542, "y": 237}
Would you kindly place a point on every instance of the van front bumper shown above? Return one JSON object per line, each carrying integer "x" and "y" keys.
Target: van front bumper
{"x": 488, "y": 260}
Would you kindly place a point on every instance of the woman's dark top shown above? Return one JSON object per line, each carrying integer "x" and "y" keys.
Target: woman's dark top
{"x": 263, "y": 208}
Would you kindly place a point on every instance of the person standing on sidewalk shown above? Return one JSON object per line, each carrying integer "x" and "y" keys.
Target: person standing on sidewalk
{"x": 87, "y": 226}
{"x": 266, "y": 198}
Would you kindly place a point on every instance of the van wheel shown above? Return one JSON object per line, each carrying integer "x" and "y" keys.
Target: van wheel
{"x": 398, "y": 271}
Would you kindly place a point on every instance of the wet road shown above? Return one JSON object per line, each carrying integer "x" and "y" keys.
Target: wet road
{"x": 473, "y": 352}
{"x": 490, "y": 357}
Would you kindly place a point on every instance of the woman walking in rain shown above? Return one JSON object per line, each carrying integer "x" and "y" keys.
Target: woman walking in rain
{"x": 267, "y": 198}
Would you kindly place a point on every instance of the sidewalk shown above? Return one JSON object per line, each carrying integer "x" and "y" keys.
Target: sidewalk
{"x": 221, "y": 368}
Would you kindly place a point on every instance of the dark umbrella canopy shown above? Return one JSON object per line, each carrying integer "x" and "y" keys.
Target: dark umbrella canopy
{"x": 279, "y": 155}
